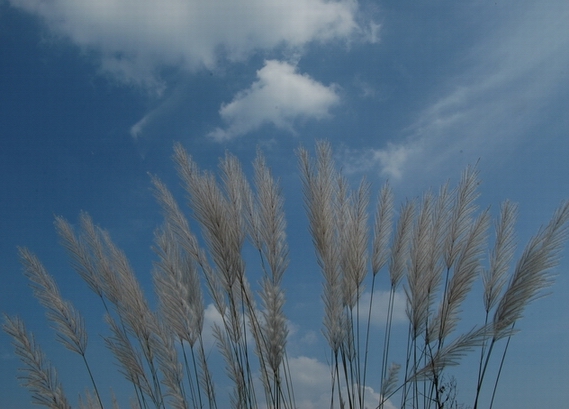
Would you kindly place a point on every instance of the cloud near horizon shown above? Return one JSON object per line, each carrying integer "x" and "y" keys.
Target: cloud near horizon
{"x": 279, "y": 97}
{"x": 312, "y": 385}
{"x": 135, "y": 42}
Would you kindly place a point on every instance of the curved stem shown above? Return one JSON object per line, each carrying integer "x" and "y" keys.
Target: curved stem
{"x": 92, "y": 380}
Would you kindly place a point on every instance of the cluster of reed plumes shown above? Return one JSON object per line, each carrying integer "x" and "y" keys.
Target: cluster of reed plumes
{"x": 434, "y": 251}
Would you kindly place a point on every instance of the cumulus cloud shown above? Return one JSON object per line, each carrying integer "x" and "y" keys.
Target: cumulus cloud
{"x": 380, "y": 307}
{"x": 312, "y": 385}
{"x": 135, "y": 39}
{"x": 278, "y": 97}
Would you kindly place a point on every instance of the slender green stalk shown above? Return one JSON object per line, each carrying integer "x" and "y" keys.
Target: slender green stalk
{"x": 368, "y": 326}
{"x": 387, "y": 335}
{"x": 499, "y": 372}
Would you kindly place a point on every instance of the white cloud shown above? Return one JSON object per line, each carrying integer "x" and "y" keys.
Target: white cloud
{"x": 136, "y": 38}
{"x": 278, "y": 97}
{"x": 380, "y": 307}
{"x": 372, "y": 32}
{"x": 388, "y": 162}
{"x": 312, "y": 385}
{"x": 393, "y": 159}
{"x": 137, "y": 128}
{"x": 211, "y": 317}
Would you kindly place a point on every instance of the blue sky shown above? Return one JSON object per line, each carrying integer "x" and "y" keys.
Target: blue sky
{"x": 93, "y": 95}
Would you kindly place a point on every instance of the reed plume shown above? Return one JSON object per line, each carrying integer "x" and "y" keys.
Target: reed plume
{"x": 533, "y": 272}
{"x": 40, "y": 377}
{"x": 495, "y": 277}
{"x": 318, "y": 182}
{"x": 66, "y": 320}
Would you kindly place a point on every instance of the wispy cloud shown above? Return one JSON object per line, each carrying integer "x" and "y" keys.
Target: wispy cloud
{"x": 516, "y": 72}
{"x": 135, "y": 42}
{"x": 279, "y": 97}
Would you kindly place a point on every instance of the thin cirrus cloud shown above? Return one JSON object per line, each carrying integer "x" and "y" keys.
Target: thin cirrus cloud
{"x": 516, "y": 73}
{"x": 278, "y": 97}
{"x": 135, "y": 39}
